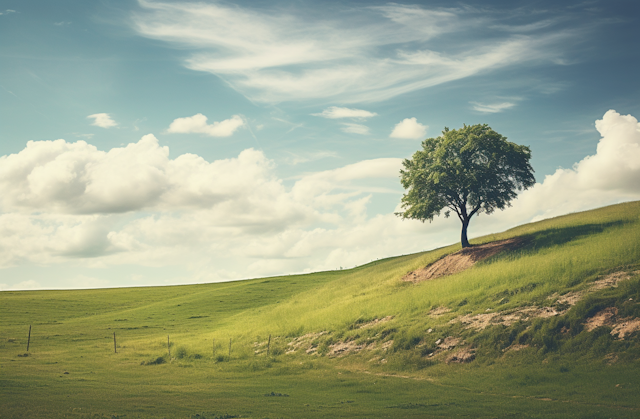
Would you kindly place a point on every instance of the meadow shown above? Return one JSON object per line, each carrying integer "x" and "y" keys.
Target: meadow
{"x": 350, "y": 343}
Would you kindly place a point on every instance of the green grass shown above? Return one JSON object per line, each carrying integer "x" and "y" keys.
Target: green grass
{"x": 564, "y": 372}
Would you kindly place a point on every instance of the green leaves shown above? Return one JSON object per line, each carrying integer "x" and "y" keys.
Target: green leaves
{"x": 470, "y": 170}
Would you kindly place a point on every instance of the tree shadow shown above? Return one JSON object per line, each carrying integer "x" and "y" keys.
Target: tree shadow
{"x": 551, "y": 237}
{"x": 559, "y": 236}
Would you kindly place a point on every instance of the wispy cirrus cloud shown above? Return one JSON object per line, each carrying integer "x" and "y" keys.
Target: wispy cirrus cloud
{"x": 335, "y": 112}
{"x": 369, "y": 54}
{"x": 492, "y": 107}
{"x": 353, "y": 128}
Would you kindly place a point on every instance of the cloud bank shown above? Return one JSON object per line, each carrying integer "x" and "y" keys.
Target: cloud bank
{"x": 71, "y": 204}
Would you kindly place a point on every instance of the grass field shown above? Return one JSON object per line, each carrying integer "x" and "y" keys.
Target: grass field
{"x": 350, "y": 343}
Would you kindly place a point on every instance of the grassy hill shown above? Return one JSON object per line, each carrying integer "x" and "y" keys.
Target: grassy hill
{"x": 544, "y": 328}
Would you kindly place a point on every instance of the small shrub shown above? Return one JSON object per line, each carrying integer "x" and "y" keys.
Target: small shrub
{"x": 181, "y": 352}
{"x": 159, "y": 360}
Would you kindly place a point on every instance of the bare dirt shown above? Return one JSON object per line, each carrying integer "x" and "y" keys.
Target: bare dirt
{"x": 602, "y": 318}
{"x": 621, "y": 327}
{"x": 506, "y": 318}
{"x": 344, "y": 348}
{"x": 462, "y": 356}
{"x": 462, "y": 260}
{"x": 439, "y": 311}
{"x": 625, "y": 327}
{"x": 609, "y": 281}
{"x": 563, "y": 303}
{"x": 306, "y": 341}
{"x": 375, "y": 322}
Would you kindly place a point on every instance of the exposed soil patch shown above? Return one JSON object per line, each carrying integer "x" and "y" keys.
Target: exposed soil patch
{"x": 456, "y": 348}
{"x": 375, "y": 322}
{"x": 563, "y": 303}
{"x": 601, "y": 318}
{"x": 439, "y": 311}
{"x": 448, "y": 343}
{"x": 344, "y": 348}
{"x": 625, "y": 327}
{"x": 462, "y": 260}
{"x": 304, "y": 341}
{"x": 515, "y": 347}
{"x": 462, "y": 356}
{"x": 621, "y": 327}
{"x": 507, "y": 318}
{"x": 609, "y": 281}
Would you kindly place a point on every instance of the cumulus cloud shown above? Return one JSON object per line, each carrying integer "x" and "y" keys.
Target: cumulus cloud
{"x": 334, "y": 112}
{"x": 197, "y": 124}
{"x": 492, "y": 108}
{"x": 368, "y": 54}
{"x": 609, "y": 176}
{"x": 77, "y": 178}
{"x": 63, "y": 202}
{"x": 409, "y": 128}
{"x": 102, "y": 120}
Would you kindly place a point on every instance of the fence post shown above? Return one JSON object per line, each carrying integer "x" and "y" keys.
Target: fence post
{"x": 229, "y": 349}
{"x": 29, "y": 338}
{"x": 268, "y": 345}
{"x": 115, "y": 350}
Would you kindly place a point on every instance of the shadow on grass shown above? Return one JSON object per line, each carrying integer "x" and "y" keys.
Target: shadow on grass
{"x": 545, "y": 239}
{"x": 559, "y": 236}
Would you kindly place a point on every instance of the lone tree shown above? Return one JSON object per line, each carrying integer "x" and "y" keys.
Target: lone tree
{"x": 468, "y": 171}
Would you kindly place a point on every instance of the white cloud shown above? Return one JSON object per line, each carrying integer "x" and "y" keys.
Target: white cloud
{"x": 409, "y": 128}
{"x": 334, "y": 112}
{"x": 368, "y": 54}
{"x": 609, "y": 176}
{"x": 62, "y": 204}
{"x": 77, "y": 178}
{"x": 304, "y": 157}
{"x": 493, "y": 107}
{"x": 355, "y": 128}
{"x": 102, "y": 120}
{"x": 198, "y": 124}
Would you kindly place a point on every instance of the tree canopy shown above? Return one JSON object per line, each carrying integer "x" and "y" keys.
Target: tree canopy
{"x": 468, "y": 171}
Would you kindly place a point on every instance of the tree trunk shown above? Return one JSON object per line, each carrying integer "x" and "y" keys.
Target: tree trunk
{"x": 463, "y": 235}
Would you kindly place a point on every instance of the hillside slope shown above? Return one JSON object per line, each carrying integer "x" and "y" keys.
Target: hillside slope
{"x": 553, "y": 316}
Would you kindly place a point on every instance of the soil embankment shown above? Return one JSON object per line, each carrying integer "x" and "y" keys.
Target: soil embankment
{"x": 462, "y": 260}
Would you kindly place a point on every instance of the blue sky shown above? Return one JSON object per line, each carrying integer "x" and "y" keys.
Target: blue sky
{"x": 162, "y": 143}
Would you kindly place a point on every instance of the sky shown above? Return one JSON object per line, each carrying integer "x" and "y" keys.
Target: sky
{"x": 160, "y": 143}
